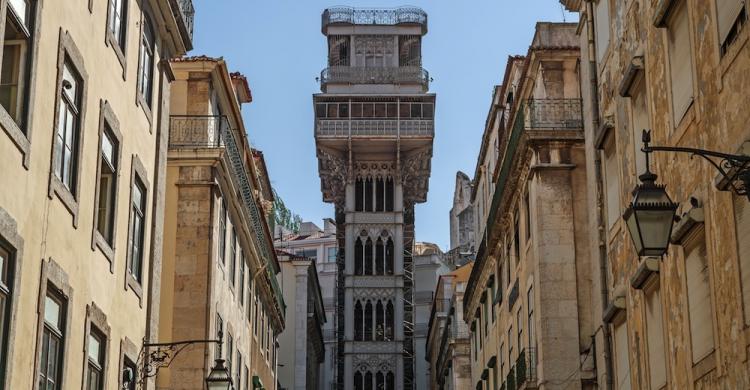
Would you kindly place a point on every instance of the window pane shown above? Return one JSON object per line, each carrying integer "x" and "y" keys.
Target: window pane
{"x": 70, "y": 83}
{"x": 95, "y": 345}
{"x": 21, "y": 9}
{"x": 52, "y": 312}
{"x": 108, "y": 148}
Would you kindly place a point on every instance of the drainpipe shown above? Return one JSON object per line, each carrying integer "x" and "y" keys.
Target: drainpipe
{"x": 600, "y": 225}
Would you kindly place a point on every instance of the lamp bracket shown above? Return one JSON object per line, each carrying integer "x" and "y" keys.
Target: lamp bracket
{"x": 154, "y": 356}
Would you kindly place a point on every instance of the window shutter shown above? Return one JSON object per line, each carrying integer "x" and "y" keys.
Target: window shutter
{"x": 622, "y": 364}
{"x": 742, "y": 219}
{"x": 680, "y": 63}
{"x": 726, "y": 13}
{"x": 699, "y": 297}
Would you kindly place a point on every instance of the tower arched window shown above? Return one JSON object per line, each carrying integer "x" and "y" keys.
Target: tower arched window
{"x": 379, "y": 321}
{"x": 359, "y": 195}
{"x": 380, "y": 194}
{"x": 379, "y": 381}
{"x": 368, "y": 380}
{"x": 358, "y": 257}
{"x": 358, "y": 321}
{"x": 368, "y": 257}
{"x": 389, "y": 321}
{"x": 368, "y": 321}
{"x": 368, "y": 195}
{"x": 380, "y": 257}
{"x": 389, "y": 257}
{"x": 390, "y": 381}
{"x": 358, "y": 381}
{"x": 389, "y": 194}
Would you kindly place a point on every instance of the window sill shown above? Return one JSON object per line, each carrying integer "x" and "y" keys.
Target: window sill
{"x": 140, "y": 101}
{"x": 134, "y": 286}
{"x": 111, "y": 41}
{"x": 704, "y": 366}
{"x": 56, "y": 187}
{"x": 107, "y": 250}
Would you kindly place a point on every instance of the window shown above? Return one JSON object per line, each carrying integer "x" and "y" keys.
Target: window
{"x": 611, "y": 182}
{"x": 699, "y": 296}
{"x": 622, "y": 364}
{"x": 510, "y": 344}
{"x": 219, "y": 336}
{"x": 241, "y": 295}
{"x": 516, "y": 237}
{"x": 655, "y": 337}
{"x": 311, "y": 254}
{"x": 222, "y": 231}
{"x": 117, "y": 23}
{"x": 68, "y": 129}
{"x": 680, "y": 61}
{"x": 7, "y": 263}
{"x": 53, "y": 338}
{"x": 109, "y": 160}
{"x": 732, "y": 16}
{"x": 486, "y": 304}
{"x": 247, "y": 378}
{"x": 146, "y": 65}
{"x": 742, "y": 222}
{"x": 232, "y": 256}
{"x": 256, "y": 315}
{"x": 639, "y": 110}
{"x": 137, "y": 229}
{"x": 527, "y": 204}
{"x": 530, "y": 310}
{"x": 601, "y": 23}
{"x": 96, "y": 359}
{"x": 332, "y": 253}
{"x": 519, "y": 326}
{"x": 129, "y": 366}
{"x": 238, "y": 375}
{"x": 16, "y": 59}
{"x": 230, "y": 351}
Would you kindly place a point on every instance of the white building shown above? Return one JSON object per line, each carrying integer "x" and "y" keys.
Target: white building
{"x": 373, "y": 131}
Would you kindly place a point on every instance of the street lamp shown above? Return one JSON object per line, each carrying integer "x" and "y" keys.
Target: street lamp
{"x": 651, "y": 213}
{"x": 219, "y": 378}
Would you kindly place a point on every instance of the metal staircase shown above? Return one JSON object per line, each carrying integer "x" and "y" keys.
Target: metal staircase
{"x": 408, "y": 352}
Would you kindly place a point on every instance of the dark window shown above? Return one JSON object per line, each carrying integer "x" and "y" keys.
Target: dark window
{"x": 96, "y": 359}
{"x": 379, "y": 257}
{"x": 230, "y": 351}
{"x": 137, "y": 229}
{"x": 53, "y": 338}
{"x": 117, "y": 23}
{"x": 390, "y": 379}
{"x": 343, "y": 110}
{"x": 359, "y": 195}
{"x": 404, "y": 110}
{"x": 333, "y": 110}
{"x": 233, "y": 256}
{"x": 516, "y": 238}
{"x": 17, "y": 51}
{"x": 379, "y": 194}
{"x": 358, "y": 385}
{"x": 238, "y": 377}
{"x": 358, "y": 257}
{"x": 368, "y": 195}
{"x": 389, "y": 325}
{"x": 107, "y": 185}
{"x": 7, "y": 264}
{"x": 356, "y": 110}
{"x": 368, "y": 381}
{"x": 427, "y": 111}
{"x": 222, "y": 230}
{"x": 219, "y": 336}
{"x": 367, "y": 110}
{"x": 380, "y": 110}
{"x": 379, "y": 381}
{"x": 368, "y": 321}
{"x": 146, "y": 66}
{"x": 68, "y": 128}
{"x": 320, "y": 110}
{"x": 241, "y": 295}
{"x": 379, "y": 321}
{"x": 368, "y": 257}
{"x": 389, "y": 194}
{"x": 392, "y": 112}
{"x": 129, "y": 368}
{"x": 389, "y": 257}
{"x": 416, "y": 110}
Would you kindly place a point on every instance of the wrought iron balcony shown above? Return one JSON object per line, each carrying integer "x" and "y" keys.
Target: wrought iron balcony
{"x": 553, "y": 114}
{"x": 376, "y": 16}
{"x": 375, "y": 75}
{"x": 343, "y": 128}
{"x": 526, "y": 369}
{"x": 184, "y": 13}
{"x": 197, "y": 131}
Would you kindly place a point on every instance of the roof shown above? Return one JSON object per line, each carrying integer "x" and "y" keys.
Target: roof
{"x": 196, "y": 58}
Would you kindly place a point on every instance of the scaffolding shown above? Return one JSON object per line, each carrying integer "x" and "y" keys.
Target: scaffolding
{"x": 408, "y": 352}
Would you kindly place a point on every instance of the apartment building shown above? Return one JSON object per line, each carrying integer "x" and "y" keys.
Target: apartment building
{"x": 219, "y": 266}
{"x": 527, "y": 300}
{"x": 85, "y": 117}
{"x": 679, "y": 69}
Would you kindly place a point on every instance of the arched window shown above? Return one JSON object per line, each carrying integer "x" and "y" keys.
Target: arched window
{"x": 390, "y": 380}
{"x": 359, "y": 195}
{"x": 358, "y": 385}
{"x": 368, "y": 321}
{"x": 379, "y": 321}
{"x": 389, "y": 257}
{"x": 389, "y": 194}
{"x": 358, "y": 325}
{"x": 379, "y": 194}
{"x": 379, "y": 257}
{"x": 368, "y": 380}
{"x": 358, "y": 257}
{"x": 379, "y": 381}
{"x": 389, "y": 321}
{"x": 368, "y": 195}
{"x": 368, "y": 257}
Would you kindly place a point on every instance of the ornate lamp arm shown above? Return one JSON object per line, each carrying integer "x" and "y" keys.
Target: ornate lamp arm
{"x": 159, "y": 355}
{"x": 734, "y": 168}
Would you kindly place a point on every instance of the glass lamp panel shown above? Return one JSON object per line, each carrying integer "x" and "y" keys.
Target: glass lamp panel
{"x": 655, "y": 226}
{"x": 635, "y": 233}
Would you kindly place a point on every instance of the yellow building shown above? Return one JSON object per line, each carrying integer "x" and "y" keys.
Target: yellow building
{"x": 527, "y": 300}
{"x": 679, "y": 68}
{"x": 84, "y": 117}
{"x": 219, "y": 268}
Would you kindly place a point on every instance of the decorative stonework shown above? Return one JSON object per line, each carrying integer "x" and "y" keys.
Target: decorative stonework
{"x": 374, "y": 293}
{"x": 374, "y": 231}
{"x": 374, "y": 169}
{"x": 415, "y": 175}
{"x": 374, "y": 362}
{"x": 334, "y": 174}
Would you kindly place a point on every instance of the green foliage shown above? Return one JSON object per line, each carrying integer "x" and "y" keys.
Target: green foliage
{"x": 283, "y": 216}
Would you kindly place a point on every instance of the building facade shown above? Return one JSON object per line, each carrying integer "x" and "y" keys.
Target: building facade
{"x": 678, "y": 68}
{"x": 219, "y": 266}
{"x": 84, "y": 117}
{"x": 528, "y": 297}
{"x": 463, "y": 235}
{"x": 448, "y": 351}
{"x": 373, "y": 131}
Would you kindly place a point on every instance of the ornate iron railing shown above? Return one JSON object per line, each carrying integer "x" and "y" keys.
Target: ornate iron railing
{"x": 377, "y": 16}
{"x": 375, "y": 75}
{"x": 184, "y": 12}
{"x": 340, "y": 128}
{"x": 526, "y": 367}
{"x": 553, "y": 114}
{"x": 197, "y": 131}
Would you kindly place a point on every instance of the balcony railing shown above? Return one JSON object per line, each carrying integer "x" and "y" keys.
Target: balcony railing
{"x": 375, "y": 75}
{"x": 197, "y": 131}
{"x": 184, "y": 12}
{"x": 376, "y": 16}
{"x": 553, "y": 114}
{"x": 526, "y": 368}
{"x": 340, "y": 128}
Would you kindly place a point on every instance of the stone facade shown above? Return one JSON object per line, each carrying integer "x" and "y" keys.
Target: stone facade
{"x": 528, "y": 297}
{"x": 301, "y": 344}
{"x": 680, "y": 69}
{"x": 219, "y": 268}
{"x": 463, "y": 236}
{"x": 71, "y": 278}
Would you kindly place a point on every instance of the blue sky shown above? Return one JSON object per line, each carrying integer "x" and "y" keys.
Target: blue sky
{"x": 278, "y": 45}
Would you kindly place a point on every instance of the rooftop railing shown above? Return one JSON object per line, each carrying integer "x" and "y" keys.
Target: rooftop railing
{"x": 184, "y": 12}
{"x": 376, "y": 16}
{"x": 375, "y": 75}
